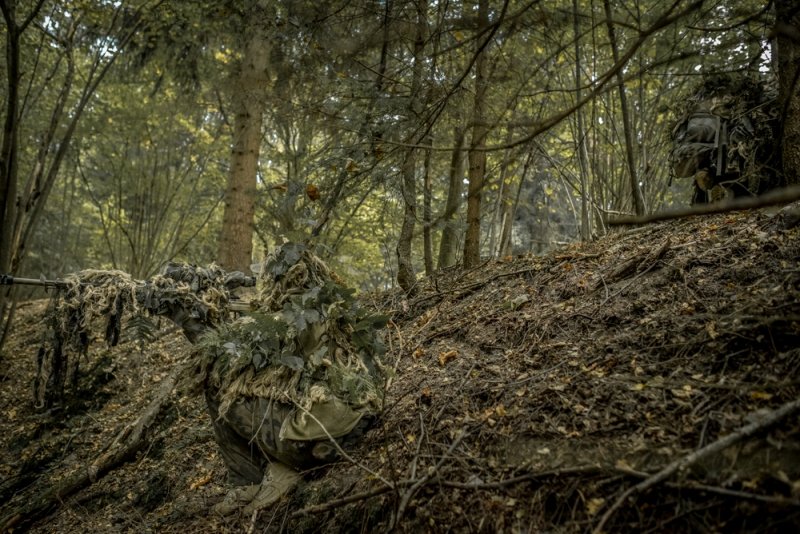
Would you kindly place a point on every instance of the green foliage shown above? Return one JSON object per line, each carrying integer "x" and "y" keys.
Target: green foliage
{"x": 309, "y": 332}
{"x": 338, "y": 119}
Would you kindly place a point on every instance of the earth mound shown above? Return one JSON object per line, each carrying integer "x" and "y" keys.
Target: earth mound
{"x": 646, "y": 381}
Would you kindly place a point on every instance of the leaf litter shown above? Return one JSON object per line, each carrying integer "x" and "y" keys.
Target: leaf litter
{"x": 529, "y": 394}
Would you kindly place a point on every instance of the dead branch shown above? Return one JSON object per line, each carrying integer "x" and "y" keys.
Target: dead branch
{"x": 527, "y": 477}
{"x": 761, "y": 422}
{"x": 330, "y": 505}
{"x": 772, "y": 198}
{"x": 123, "y": 448}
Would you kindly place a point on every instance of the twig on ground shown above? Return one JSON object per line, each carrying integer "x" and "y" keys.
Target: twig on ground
{"x": 527, "y": 477}
{"x": 404, "y": 500}
{"x": 330, "y": 505}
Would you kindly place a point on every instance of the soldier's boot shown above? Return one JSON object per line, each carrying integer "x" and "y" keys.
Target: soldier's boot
{"x": 279, "y": 480}
{"x": 237, "y": 498}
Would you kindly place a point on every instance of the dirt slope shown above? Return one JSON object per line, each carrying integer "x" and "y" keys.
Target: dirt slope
{"x": 528, "y": 395}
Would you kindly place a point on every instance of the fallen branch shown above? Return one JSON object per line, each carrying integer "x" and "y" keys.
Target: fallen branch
{"x": 761, "y": 422}
{"x": 772, "y": 198}
{"x": 330, "y": 505}
{"x": 364, "y": 495}
{"x": 122, "y": 449}
{"x": 527, "y": 477}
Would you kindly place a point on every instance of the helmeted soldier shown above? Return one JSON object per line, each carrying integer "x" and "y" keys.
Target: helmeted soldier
{"x": 723, "y": 141}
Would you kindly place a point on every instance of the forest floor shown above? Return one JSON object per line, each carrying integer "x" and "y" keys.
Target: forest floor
{"x": 648, "y": 381}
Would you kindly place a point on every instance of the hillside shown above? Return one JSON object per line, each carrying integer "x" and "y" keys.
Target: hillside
{"x": 646, "y": 381}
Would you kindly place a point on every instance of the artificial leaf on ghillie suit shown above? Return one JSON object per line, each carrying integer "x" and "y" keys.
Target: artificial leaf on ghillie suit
{"x": 195, "y": 298}
{"x": 295, "y": 380}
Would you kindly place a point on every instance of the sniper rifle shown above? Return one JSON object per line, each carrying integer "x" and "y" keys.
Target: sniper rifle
{"x": 232, "y": 281}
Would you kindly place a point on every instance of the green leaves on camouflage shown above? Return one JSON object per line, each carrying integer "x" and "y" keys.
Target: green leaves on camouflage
{"x": 288, "y": 255}
{"x": 263, "y": 339}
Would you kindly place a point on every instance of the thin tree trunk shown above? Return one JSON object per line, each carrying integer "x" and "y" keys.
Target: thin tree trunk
{"x": 449, "y": 240}
{"x": 636, "y": 194}
{"x": 509, "y": 209}
{"x": 477, "y": 156}
{"x": 427, "y": 238}
{"x": 249, "y": 101}
{"x": 8, "y": 160}
{"x": 788, "y": 20}
{"x": 583, "y": 155}
{"x": 405, "y": 267}
{"x": 8, "y": 150}
{"x": 504, "y": 198}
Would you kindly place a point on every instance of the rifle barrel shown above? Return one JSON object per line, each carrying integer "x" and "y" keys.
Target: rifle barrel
{"x": 7, "y": 280}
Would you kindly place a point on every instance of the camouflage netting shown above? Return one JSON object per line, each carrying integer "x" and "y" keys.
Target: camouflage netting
{"x": 306, "y": 341}
{"x": 196, "y": 297}
{"x": 748, "y": 109}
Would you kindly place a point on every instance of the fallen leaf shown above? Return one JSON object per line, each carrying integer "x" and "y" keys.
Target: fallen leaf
{"x": 202, "y": 481}
{"x": 445, "y": 357}
{"x": 711, "y": 329}
{"x": 594, "y": 505}
{"x": 684, "y": 393}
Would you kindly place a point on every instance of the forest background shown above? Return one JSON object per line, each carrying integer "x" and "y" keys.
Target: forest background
{"x": 402, "y": 136}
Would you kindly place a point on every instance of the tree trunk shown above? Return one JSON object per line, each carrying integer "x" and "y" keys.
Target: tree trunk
{"x": 504, "y": 198}
{"x": 477, "y": 156}
{"x": 8, "y": 159}
{"x": 8, "y": 152}
{"x": 636, "y": 194}
{"x": 788, "y": 22}
{"x": 580, "y": 131}
{"x": 427, "y": 238}
{"x": 249, "y": 101}
{"x": 405, "y": 267}
{"x": 510, "y": 208}
{"x": 449, "y": 240}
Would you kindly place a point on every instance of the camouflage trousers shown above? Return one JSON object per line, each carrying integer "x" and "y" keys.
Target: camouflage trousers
{"x": 249, "y": 439}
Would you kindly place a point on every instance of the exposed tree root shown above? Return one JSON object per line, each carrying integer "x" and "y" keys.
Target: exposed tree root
{"x": 761, "y": 422}
{"x": 123, "y": 448}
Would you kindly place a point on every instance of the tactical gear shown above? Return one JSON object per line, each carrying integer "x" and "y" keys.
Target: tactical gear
{"x": 288, "y": 386}
{"x": 294, "y": 382}
{"x": 724, "y": 139}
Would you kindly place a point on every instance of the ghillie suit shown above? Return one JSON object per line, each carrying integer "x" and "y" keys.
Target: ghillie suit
{"x": 195, "y": 298}
{"x": 287, "y": 386}
{"x": 298, "y": 372}
{"x": 725, "y": 139}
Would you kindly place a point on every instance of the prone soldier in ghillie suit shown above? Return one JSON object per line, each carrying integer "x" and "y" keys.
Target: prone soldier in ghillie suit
{"x": 292, "y": 383}
{"x": 725, "y": 139}
{"x": 288, "y": 386}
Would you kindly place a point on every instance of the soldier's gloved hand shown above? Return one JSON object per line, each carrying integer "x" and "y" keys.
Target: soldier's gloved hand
{"x": 704, "y": 180}
{"x": 236, "y": 279}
